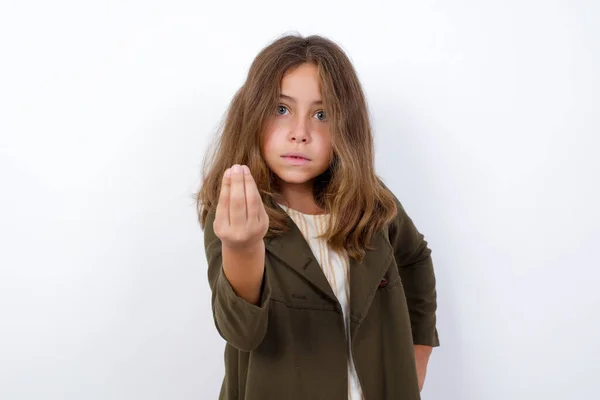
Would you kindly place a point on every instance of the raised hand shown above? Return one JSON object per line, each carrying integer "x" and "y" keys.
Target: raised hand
{"x": 241, "y": 221}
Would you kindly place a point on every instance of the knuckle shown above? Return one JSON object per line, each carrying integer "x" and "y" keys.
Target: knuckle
{"x": 252, "y": 201}
{"x": 219, "y": 229}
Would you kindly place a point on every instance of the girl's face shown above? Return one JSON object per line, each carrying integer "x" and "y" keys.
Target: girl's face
{"x": 299, "y": 125}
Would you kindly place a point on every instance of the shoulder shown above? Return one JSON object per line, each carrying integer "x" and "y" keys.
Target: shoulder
{"x": 402, "y": 233}
{"x": 400, "y": 213}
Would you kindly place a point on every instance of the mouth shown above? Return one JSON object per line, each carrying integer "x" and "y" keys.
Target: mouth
{"x": 295, "y": 159}
{"x": 295, "y": 156}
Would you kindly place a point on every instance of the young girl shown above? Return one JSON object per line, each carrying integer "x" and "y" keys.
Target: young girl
{"x": 322, "y": 287}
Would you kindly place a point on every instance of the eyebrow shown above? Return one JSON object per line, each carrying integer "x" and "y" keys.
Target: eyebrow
{"x": 290, "y": 98}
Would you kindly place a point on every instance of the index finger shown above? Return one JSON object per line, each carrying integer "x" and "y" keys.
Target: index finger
{"x": 253, "y": 199}
{"x": 222, "y": 212}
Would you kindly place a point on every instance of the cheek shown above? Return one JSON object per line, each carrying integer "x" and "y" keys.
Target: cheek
{"x": 269, "y": 142}
{"x": 275, "y": 131}
{"x": 324, "y": 138}
{"x": 267, "y": 133}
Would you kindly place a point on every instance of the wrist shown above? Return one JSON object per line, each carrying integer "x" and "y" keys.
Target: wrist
{"x": 247, "y": 249}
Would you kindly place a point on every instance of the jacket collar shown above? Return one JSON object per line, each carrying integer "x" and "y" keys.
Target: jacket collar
{"x": 293, "y": 250}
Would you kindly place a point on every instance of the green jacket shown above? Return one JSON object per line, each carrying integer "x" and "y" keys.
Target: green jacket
{"x": 293, "y": 345}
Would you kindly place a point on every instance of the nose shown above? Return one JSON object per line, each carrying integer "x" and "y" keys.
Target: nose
{"x": 299, "y": 132}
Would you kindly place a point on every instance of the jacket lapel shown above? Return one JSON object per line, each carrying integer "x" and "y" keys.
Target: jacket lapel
{"x": 292, "y": 249}
{"x": 365, "y": 277}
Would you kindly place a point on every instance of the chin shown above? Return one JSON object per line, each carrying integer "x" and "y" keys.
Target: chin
{"x": 295, "y": 177}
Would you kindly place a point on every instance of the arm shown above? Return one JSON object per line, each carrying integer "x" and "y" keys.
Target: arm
{"x": 422, "y": 354}
{"x": 236, "y": 268}
{"x": 415, "y": 266}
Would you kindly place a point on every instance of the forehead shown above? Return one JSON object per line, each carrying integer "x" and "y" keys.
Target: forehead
{"x": 302, "y": 81}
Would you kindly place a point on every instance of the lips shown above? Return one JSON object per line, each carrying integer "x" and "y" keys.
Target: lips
{"x": 298, "y": 156}
{"x": 295, "y": 159}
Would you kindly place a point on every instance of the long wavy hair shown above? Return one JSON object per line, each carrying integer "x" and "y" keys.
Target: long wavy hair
{"x": 358, "y": 202}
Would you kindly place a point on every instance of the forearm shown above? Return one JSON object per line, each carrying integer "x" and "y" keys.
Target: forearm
{"x": 422, "y": 354}
{"x": 421, "y": 297}
{"x": 240, "y": 322}
{"x": 244, "y": 269}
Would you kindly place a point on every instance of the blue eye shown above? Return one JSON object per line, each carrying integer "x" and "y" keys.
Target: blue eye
{"x": 321, "y": 115}
{"x": 281, "y": 110}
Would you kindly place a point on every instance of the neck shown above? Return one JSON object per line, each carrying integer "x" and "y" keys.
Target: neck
{"x": 299, "y": 197}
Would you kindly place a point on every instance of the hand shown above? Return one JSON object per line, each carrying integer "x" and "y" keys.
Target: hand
{"x": 240, "y": 220}
{"x": 422, "y": 354}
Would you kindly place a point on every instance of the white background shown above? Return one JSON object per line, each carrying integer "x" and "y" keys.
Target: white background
{"x": 487, "y": 127}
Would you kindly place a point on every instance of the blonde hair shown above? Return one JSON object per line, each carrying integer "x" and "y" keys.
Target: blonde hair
{"x": 358, "y": 201}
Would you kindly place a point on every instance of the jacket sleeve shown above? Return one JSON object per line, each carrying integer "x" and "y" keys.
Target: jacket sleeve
{"x": 415, "y": 266}
{"x": 241, "y": 324}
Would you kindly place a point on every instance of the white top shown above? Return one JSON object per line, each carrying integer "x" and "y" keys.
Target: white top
{"x": 336, "y": 267}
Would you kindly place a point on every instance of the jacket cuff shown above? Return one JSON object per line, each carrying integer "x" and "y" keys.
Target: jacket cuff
{"x": 241, "y": 323}
{"x": 425, "y": 335}
{"x": 234, "y": 301}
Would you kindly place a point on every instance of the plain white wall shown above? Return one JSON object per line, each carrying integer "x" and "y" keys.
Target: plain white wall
{"x": 487, "y": 128}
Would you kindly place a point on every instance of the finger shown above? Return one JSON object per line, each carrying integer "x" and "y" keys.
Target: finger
{"x": 237, "y": 201}
{"x": 222, "y": 212}
{"x": 253, "y": 199}
{"x": 263, "y": 215}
